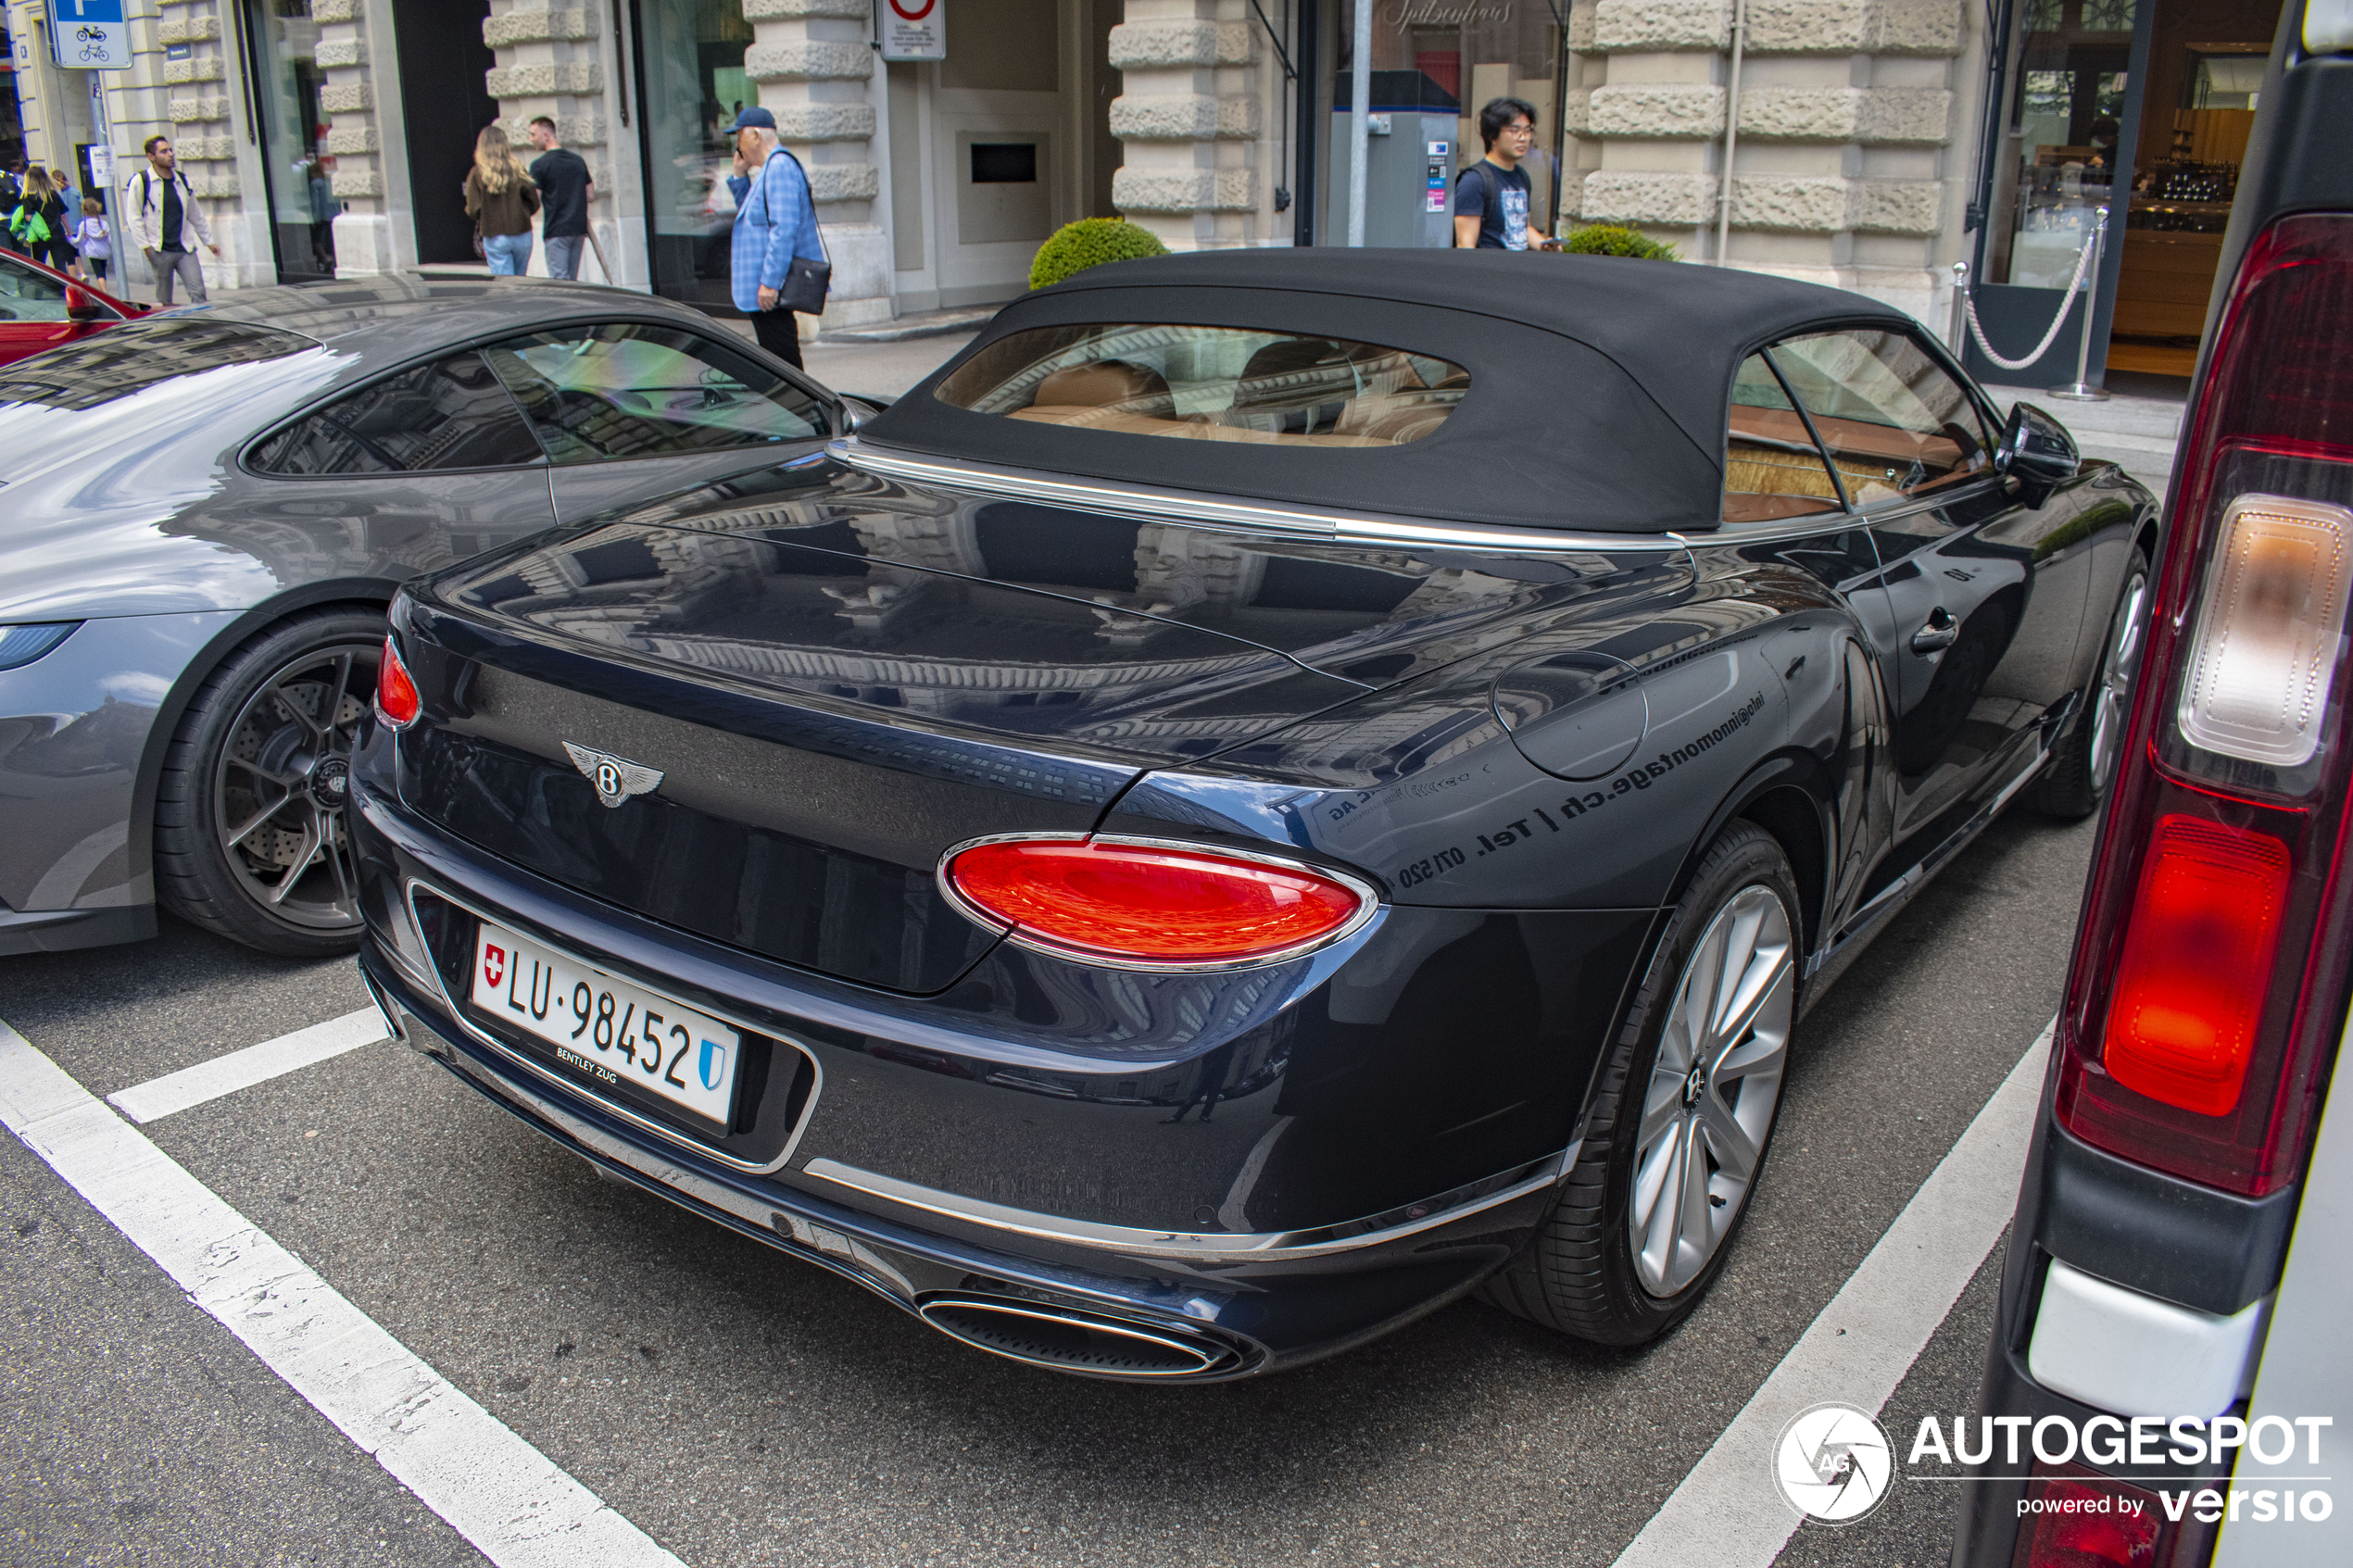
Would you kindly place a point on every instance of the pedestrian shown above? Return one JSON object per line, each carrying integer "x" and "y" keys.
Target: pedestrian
{"x": 91, "y": 240}
{"x": 564, "y": 185}
{"x": 11, "y": 191}
{"x": 40, "y": 222}
{"x": 776, "y": 248}
{"x": 321, "y": 191}
{"x": 502, "y": 201}
{"x": 162, "y": 214}
{"x": 1490, "y": 196}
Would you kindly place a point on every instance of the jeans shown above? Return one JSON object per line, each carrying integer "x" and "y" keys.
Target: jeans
{"x": 563, "y": 254}
{"x": 508, "y": 254}
{"x": 169, "y": 264}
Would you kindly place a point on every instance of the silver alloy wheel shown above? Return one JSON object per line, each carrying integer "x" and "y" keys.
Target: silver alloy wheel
{"x": 1712, "y": 1091}
{"x": 280, "y": 787}
{"x": 2122, "y": 663}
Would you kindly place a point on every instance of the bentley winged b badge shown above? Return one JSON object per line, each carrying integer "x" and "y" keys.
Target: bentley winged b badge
{"x": 616, "y": 778}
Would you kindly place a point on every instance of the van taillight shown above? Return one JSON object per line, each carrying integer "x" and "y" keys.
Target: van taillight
{"x": 2209, "y": 981}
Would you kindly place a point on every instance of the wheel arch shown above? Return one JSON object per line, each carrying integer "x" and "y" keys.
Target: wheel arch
{"x": 360, "y": 593}
{"x": 1780, "y": 794}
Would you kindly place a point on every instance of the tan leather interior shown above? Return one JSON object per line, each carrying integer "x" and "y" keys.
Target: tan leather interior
{"x": 1106, "y": 384}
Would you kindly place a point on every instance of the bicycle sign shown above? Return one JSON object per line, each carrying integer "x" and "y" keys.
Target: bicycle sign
{"x": 89, "y": 34}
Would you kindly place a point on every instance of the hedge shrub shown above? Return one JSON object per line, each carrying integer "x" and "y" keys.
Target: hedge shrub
{"x": 1090, "y": 242}
{"x": 1610, "y": 239}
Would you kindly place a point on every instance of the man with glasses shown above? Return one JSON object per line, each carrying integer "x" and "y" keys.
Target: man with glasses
{"x": 1490, "y": 196}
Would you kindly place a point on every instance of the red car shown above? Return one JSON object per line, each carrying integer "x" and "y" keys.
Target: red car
{"x": 41, "y": 307}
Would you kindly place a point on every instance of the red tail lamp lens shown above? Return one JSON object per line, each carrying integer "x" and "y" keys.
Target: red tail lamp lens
{"x": 2081, "y": 1520}
{"x": 396, "y": 700}
{"x": 2197, "y": 963}
{"x": 1149, "y": 905}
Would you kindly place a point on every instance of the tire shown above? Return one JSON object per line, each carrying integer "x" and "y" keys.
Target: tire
{"x": 2085, "y": 765}
{"x": 1586, "y": 1272}
{"x": 250, "y": 840}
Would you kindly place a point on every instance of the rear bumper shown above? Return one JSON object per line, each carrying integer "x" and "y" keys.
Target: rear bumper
{"x": 1249, "y": 1317}
{"x": 1236, "y": 1299}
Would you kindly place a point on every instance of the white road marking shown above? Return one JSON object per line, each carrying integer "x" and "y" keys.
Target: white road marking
{"x": 254, "y": 1064}
{"x": 1727, "y": 1513}
{"x": 504, "y": 1495}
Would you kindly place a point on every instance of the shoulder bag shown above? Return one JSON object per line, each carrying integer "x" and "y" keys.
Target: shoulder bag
{"x": 808, "y": 280}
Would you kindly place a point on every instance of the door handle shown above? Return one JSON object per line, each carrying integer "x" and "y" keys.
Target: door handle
{"x": 1938, "y": 635}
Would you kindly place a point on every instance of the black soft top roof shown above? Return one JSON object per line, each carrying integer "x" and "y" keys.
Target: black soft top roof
{"x": 1598, "y": 385}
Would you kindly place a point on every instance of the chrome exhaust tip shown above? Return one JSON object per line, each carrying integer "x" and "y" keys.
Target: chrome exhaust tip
{"x": 1064, "y": 1339}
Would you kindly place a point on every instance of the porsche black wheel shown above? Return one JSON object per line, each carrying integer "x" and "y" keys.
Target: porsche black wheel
{"x": 1684, "y": 1114}
{"x": 250, "y": 837}
{"x": 2078, "y": 775}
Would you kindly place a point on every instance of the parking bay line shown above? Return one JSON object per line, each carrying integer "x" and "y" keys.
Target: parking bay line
{"x": 254, "y": 1064}
{"x": 1728, "y": 1513}
{"x": 516, "y": 1506}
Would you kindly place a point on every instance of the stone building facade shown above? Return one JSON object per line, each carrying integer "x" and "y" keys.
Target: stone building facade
{"x": 1858, "y": 124}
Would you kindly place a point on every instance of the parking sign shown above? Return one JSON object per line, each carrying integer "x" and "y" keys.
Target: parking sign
{"x": 89, "y": 34}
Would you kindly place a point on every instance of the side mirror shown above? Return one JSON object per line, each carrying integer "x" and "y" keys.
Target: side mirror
{"x": 82, "y": 305}
{"x": 2037, "y": 452}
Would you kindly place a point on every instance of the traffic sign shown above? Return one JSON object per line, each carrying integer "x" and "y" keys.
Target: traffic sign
{"x": 89, "y": 34}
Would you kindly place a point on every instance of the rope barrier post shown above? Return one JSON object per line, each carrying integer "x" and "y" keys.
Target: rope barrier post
{"x": 2080, "y": 390}
{"x": 1957, "y": 329}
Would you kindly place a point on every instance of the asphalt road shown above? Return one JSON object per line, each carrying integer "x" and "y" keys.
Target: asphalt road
{"x": 744, "y": 1409}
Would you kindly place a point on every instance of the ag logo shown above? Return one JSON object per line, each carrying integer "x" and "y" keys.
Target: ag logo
{"x": 616, "y": 778}
{"x": 1833, "y": 1463}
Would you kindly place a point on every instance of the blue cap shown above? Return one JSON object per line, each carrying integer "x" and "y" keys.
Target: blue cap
{"x": 754, "y": 116}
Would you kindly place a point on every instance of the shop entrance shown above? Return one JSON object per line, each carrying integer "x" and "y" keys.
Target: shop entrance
{"x": 2140, "y": 109}
{"x": 442, "y": 61}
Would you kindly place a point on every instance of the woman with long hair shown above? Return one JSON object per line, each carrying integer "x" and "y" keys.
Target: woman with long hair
{"x": 501, "y": 200}
{"x": 40, "y": 222}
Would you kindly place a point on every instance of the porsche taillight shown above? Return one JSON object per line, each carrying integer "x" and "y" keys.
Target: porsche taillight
{"x": 1150, "y": 904}
{"x": 396, "y": 700}
{"x": 2208, "y": 978}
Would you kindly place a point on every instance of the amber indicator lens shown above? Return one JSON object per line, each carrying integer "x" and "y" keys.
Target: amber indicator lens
{"x": 396, "y": 701}
{"x": 1151, "y": 905}
{"x": 2197, "y": 963}
{"x": 2260, "y": 664}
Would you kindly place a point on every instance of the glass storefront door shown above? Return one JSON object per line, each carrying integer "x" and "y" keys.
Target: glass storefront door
{"x": 2159, "y": 155}
{"x": 283, "y": 42}
{"x": 691, "y": 84}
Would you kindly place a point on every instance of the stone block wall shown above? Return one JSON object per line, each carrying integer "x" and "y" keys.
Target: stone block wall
{"x": 1199, "y": 151}
{"x": 1853, "y": 134}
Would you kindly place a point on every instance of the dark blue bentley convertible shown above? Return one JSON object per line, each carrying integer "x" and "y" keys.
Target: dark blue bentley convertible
{"x": 1269, "y": 792}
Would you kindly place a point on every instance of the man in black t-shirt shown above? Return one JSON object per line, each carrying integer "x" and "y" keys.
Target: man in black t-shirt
{"x": 1492, "y": 195}
{"x": 565, "y": 192}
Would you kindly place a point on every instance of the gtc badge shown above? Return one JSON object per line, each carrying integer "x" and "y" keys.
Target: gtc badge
{"x": 616, "y": 778}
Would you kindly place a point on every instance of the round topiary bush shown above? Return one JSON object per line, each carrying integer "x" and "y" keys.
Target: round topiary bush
{"x": 1609, "y": 239}
{"x": 1090, "y": 242}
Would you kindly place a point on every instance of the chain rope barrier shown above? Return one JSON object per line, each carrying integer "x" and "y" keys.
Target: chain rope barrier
{"x": 2066, "y": 303}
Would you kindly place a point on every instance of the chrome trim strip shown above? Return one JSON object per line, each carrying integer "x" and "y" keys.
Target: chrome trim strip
{"x": 1209, "y": 1247}
{"x": 1151, "y": 503}
{"x": 643, "y": 1123}
{"x": 1368, "y": 904}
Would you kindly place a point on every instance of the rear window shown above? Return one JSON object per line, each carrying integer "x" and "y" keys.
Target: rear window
{"x": 131, "y": 357}
{"x": 1209, "y": 384}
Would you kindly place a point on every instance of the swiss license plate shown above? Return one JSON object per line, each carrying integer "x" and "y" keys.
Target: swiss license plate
{"x": 607, "y": 1030}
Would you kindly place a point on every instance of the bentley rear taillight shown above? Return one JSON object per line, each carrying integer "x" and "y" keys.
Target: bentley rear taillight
{"x": 1150, "y": 904}
{"x": 2209, "y": 973}
{"x": 396, "y": 700}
